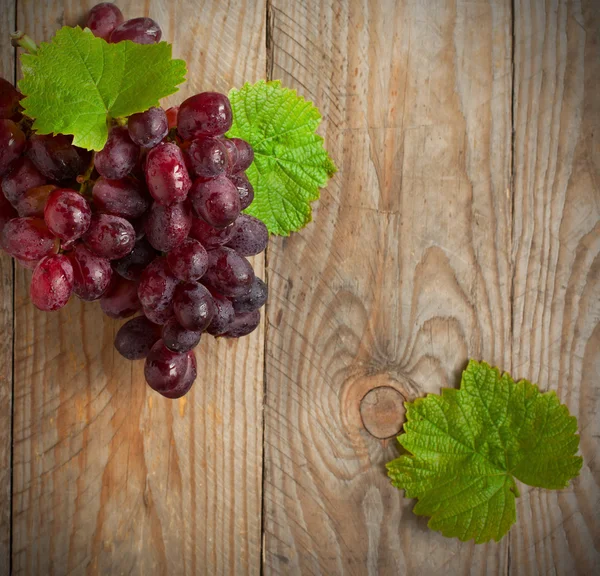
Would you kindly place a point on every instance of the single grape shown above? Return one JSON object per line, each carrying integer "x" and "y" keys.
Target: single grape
{"x": 110, "y": 236}
{"x": 27, "y": 238}
{"x": 51, "y": 283}
{"x": 228, "y": 273}
{"x": 23, "y": 176}
{"x": 9, "y": 100}
{"x": 188, "y": 261}
{"x": 216, "y": 201}
{"x": 55, "y": 156}
{"x": 243, "y": 324}
{"x": 12, "y": 144}
{"x": 250, "y": 236}
{"x": 67, "y": 214}
{"x": 132, "y": 265}
{"x": 223, "y": 317}
{"x": 169, "y": 373}
{"x": 121, "y": 299}
{"x": 177, "y": 339}
{"x": 254, "y": 300}
{"x": 209, "y": 236}
{"x": 208, "y": 157}
{"x": 33, "y": 202}
{"x": 159, "y": 317}
{"x": 232, "y": 153}
{"x": 168, "y": 226}
{"x": 138, "y": 30}
{"x": 119, "y": 155}
{"x": 125, "y": 197}
{"x": 136, "y": 337}
{"x": 92, "y": 274}
{"x": 205, "y": 114}
{"x": 244, "y": 188}
{"x": 194, "y": 306}
{"x": 103, "y": 19}
{"x": 157, "y": 286}
{"x": 166, "y": 174}
{"x": 148, "y": 128}
{"x": 172, "y": 116}
{"x": 245, "y": 155}
{"x": 7, "y": 213}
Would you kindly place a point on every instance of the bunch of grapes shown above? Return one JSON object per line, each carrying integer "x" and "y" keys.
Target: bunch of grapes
{"x": 151, "y": 224}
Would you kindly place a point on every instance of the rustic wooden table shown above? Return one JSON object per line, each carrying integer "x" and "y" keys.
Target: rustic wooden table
{"x": 464, "y": 222}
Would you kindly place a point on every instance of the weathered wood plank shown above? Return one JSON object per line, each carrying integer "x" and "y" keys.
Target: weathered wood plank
{"x": 556, "y": 300}
{"x": 404, "y": 274}
{"x": 109, "y": 477}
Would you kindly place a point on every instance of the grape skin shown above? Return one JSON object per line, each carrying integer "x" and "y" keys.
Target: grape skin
{"x": 188, "y": 261}
{"x": 208, "y": 157}
{"x": 157, "y": 286}
{"x": 216, "y": 201}
{"x": 205, "y": 114}
{"x": 67, "y": 214}
{"x": 168, "y": 226}
{"x": 138, "y": 30}
{"x": 224, "y": 315}
{"x": 33, "y": 202}
{"x": 166, "y": 174}
{"x": 23, "y": 176}
{"x": 177, "y": 339}
{"x": 27, "y": 238}
{"x": 55, "y": 156}
{"x": 148, "y": 128}
{"x": 194, "y": 306}
{"x": 125, "y": 197}
{"x": 121, "y": 299}
{"x": 109, "y": 236}
{"x": 244, "y": 188}
{"x": 136, "y": 337}
{"x": 228, "y": 273}
{"x": 243, "y": 324}
{"x": 209, "y": 236}
{"x": 92, "y": 274}
{"x": 51, "y": 283}
{"x": 132, "y": 265}
{"x": 119, "y": 155}
{"x": 169, "y": 373}
{"x": 252, "y": 301}
{"x": 103, "y": 19}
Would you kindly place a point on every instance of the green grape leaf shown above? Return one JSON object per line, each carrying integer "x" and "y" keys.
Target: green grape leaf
{"x": 468, "y": 446}
{"x": 76, "y": 83}
{"x": 290, "y": 162}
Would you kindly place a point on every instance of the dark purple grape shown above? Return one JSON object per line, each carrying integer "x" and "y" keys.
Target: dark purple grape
{"x": 92, "y": 274}
{"x": 55, "y": 156}
{"x": 148, "y": 128}
{"x": 159, "y": 317}
{"x": 208, "y": 157}
{"x": 33, "y": 202}
{"x": 103, "y": 19}
{"x": 7, "y": 213}
{"x": 136, "y": 337}
{"x": 67, "y": 214}
{"x": 177, "y": 339}
{"x": 27, "y": 238}
{"x": 9, "y": 100}
{"x": 205, "y": 114}
{"x": 157, "y": 286}
{"x": 125, "y": 197}
{"x": 228, "y": 273}
{"x": 119, "y": 155}
{"x": 209, "y": 236}
{"x": 168, "y": 226}
{"x": 12, "y": 144}
{"x": 188, "y": 261}
{"x": 138, "y": 30}
{"x": 172, "y": 116}
{"x": 121, "y": 299}
{"x": 254, "y": 300}
{"x": 169, "y": 373}
{"x": 244, "y": 188}
{"x": 216, "y": 201}
{"x": 138, "y": 225}
{"x": 232, "y": 153}
{"x": 132, "y": 265}
{"x": 110, "y": 236}
{"x": 166, "y": 174}
{"x": 194, "y": 306}
{"x": 223, "y": 317}
{"x": 52, "y": 283}
{"x": 250, "y": 236}
{"x": 23, "y": 176}
{"x": 243, "y": 324}
{"x": 245, "y": 155}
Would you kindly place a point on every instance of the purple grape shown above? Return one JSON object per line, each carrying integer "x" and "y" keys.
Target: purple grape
{"x": 216, "y": 201}
{"x": 244, "y": 188}
{"x": 33, "y": 202}
{"x": 228, "y": 273}
{"x": 172, "y": 116}
{"x": 208, "y": 157}
{"x": 132, "y": 265}
{"x": 23, "y": 176}
{"x": 148, "y": 128}
{"x": 243, "y": 324}
{"x": 168, "y": 226}
{"x": 12, "y": 144}
{"x": 136, "y": 337}
{"x": 110, "y": 236}
{"x": 205, "y": 114}
{"x": 188, "y": 261}
{"x": 27, "y": 238}
{"x": 55, "y": 156}
{"x": 254, "y": 300}
{"x": 178, "y": 339}
{"x": 245, "y": 155}
{"x": 119, "y": 155}
{"x": 92, "y": 274}
{"x": 232, "y": 153}
{"x": 208, "y": 236}
{"x": 67, "y": 214}
{"x": 51, "y": 283}
{"x": 194, "y": 306}
{"x": 157, "y": 286}
{"x": 103, "y": 19}
{"x": 166, "y": 174}
{"x": 138, "y": 30}
{"x": 169, "y": 373}
{"x": 250, "y": 236}
{"x": 159, "y": 317}
{"x": 121, "y": 299}
{"x": 9, "y": 100}
{"x": 125, "y": 197}
{"x": 223, "y": 317}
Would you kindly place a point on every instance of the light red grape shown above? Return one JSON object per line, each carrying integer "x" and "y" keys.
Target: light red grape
{"x": 103, "y": 19}
{"x": 110, "y": 236}
{"x": 67, "y": 214}
{"x": 27, "y": 238}
{"x": 92, "y": 274}
{"x": 166, "y": 174}
{"x": 188, "y": 261}
{"x": 205, "y": 114}
{"x": 52, "y": 282}
{"x": 138, "y": 30}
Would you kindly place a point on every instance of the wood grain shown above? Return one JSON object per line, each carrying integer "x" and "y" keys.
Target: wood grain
{"x": 109, "y": 477}
{"x": 556, "y": 287}
{"x": 404, "y": 274}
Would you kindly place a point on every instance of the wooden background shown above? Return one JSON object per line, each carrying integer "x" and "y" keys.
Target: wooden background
{"x": 464, "y": 222}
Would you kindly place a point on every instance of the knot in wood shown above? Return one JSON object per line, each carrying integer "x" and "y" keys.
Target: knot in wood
{"x": 382, "y": 412}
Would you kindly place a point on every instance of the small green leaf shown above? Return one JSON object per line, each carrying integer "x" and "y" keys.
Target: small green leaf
{"x": 290, "y": 162}
{"x": 468, "y": 446}
{"x": 75, "y": 83}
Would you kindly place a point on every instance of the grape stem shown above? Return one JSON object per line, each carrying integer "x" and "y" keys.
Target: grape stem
{"x": 85, "y": 181}
{"x": 21, "y": 40}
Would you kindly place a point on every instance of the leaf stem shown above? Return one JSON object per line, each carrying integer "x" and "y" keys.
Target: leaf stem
{"x": 21, "y": 40}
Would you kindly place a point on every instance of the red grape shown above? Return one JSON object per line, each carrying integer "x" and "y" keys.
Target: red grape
{"x": 169, "y": 373}
{"x": 209, "y": 236}
{"x": 216, "y": 201}
{"x": 91, "y": 273}
{"x": 132, "y": 265}
{"x": 23, "y": 176}
{"x": 110, "y": 236}
{"x": 157, "y": 286}
{"x": 51, "y": 283}
{"x": 223, "y": 317}
{"x": 55, "y": 156}
{"x": 194, "y": 306}
{"x": 244, "y": 188}
{"x": 9, "y": 100}
{"x": 232, "y": 153}
{"x": 168, "y": 226}
{"x": 12, "y": 144}
{"x": 27, "y": 238}
{"x": 7, "y": 213}
{"x": 33, "y": 202}
{"x": 121, "y": 299}
{"x": 208, "y": 157}
{"x": 245, "y": 155}
{"x": 119, "y": 155}
{"x": 125, "y": 197}
{"x": 205, "y": 114}
{"x": 103, "y": 19}
{"x": 254, "y": 300}
{"x": 177, "y": 339}
{"x": 172, "y": 116}
{"x": 243, "y": 324}
{"x": 188, "y": 261}
{"x": 148, "y": 128}
{"x": 67, "y": 214}
{"x": 138, "y": 30}
{"x": 250, "y": 236}
{"x": 136, "y": 337}
{"x": 228, "y": 273}
{"x": 159, "y": 317}
{"x": 166, "y": 174}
